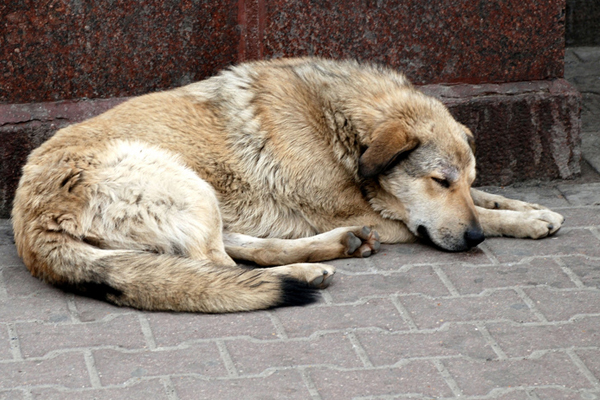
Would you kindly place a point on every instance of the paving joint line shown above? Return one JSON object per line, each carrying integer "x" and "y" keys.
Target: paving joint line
{"x": 72, "y": 308}
{"x": 595, "y": 232}
{"x": 14, "y": 342}
{"x": 439, "y": 365}
{"x": 278, "y": 326}
{"x": 404, "y": 314}
{"x": 531, "y": 395}
{"x": 310, "y": 384}
{"x": 3, "y": 291}
{"x": 227, "y": 360}
{"x": 530, "y": 303}
{"x": 360, "y": 351}
{"x": 90, "y": 364}
{"x": 326, "y": 296}
{"x": 569, "y": 272}
{"x": 170, "y": 390}
{"x": 446, "y": 281}
{"x": 583, "y": 368}
{"x": 488, "y": 252}
{"x": 491, "y": 341}
{"x": 147, "y": 331}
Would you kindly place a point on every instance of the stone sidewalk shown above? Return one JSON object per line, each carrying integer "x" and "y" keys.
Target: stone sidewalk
{"x": 513, "y": 319}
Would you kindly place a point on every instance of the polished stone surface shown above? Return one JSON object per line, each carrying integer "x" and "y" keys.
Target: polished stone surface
{"x": 76, "y": 49}
{"x": 431, "y": 41}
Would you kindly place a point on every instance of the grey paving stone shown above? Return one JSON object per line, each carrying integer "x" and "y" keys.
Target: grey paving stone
{"x": 376, "y": 313}
{"x": 590, "y": 148}
{"x": 90, "y": 310}
{"x": 9, "y": 256}
{"x": 420, "y": 377}
{"x": 581, "y": 195}
{"x": 64, "y": 370}
{"x": 419, "y": 279}
{"x": 280, "y": 385}
{"x": 20, "y": 283}
{"x": 5, "y": 352}
{"x": 50, "y": 306}
{"x": 37, "y": 339}
{"x": 476, "y": 279}
{"x": 586, "y": 54}
{"x": 117, "y": 367}
{"x": 171, "y": 329}
{"x": 144, "y": 390}
{"x": 522, "y": 340}
{"x": 576, "y": 217}
{"x": 396, "y": 257}
{"x": 333, "y": 350}
{"x": 586, "y": 269}
{"x": 392, "y": 257}
{"x": 11, "y": 395}
{"x": 476, "y": 377}
{"x": 591, "y": 359}
{"x": 563, "y": 243}
{"x": 566, "y": 394}
{"x": 564, "y": 304}
{"x": 430, "y": 313}
{"x": 590, "y": 118}
{"x": 511, "y": 395}
{"x": 388, "y": 349}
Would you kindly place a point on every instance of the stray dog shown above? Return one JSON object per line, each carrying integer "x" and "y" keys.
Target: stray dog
{"x": 280, "y": 163}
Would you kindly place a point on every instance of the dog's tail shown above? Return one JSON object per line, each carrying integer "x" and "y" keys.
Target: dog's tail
{"x": 152, "y": 281}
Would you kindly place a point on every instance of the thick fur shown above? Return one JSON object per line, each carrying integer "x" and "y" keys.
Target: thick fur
{"x": 277, "y": 162}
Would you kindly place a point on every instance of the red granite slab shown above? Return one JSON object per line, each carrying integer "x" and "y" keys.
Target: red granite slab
{"x": 431, "y": 41}
{"x": 56, "y": 50}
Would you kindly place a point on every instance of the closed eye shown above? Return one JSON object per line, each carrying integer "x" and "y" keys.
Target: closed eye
{"x": 442, "y": 182}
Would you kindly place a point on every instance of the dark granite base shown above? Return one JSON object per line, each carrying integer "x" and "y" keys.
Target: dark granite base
{"x": 523, "y": 130}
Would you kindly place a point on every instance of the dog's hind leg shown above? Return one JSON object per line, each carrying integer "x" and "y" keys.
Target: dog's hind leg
{"x": 337, "y": 243}
{"x": 140, "y": 229}
{"x": 146, "y": 199}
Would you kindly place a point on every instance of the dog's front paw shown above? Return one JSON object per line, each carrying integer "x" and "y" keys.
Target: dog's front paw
{"x": 538, "y": 224}
{"x": 361, "y": 242}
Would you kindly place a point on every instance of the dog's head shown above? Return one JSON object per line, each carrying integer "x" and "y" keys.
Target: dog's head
{"x": 421, "y": 165}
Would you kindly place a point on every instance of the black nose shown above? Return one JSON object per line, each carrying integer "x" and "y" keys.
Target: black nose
{"x": 474, "y": 236}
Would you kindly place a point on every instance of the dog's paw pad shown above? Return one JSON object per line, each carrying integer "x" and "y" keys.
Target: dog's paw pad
{"x": 370, "y": 242}
{"x": 352, "y": 243}
{"x": 324, "y": 279}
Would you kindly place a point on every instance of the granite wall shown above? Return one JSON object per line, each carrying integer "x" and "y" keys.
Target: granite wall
{"x": 64, "y": 60}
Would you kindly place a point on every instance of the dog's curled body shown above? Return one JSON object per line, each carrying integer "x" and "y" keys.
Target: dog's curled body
{"x": 133, "y": 203}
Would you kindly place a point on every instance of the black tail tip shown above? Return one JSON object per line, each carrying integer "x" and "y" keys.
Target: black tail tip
{"x": 297, "y": 293}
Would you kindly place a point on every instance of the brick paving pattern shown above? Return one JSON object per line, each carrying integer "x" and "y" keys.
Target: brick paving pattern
{"x": 512, "y": 319}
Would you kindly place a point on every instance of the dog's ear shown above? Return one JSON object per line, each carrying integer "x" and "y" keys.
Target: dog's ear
{"x": 470, "y": 138}
{"x": 390, "y": 143}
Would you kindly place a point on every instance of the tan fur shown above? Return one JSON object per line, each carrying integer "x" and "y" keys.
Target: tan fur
{"x": 277, "y": 162}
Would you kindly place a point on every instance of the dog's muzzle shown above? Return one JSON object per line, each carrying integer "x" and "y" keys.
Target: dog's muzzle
{"x": 473, "y": 237}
